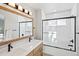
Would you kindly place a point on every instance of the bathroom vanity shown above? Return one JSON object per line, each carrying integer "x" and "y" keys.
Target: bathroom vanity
{"x": 25, "y": 48}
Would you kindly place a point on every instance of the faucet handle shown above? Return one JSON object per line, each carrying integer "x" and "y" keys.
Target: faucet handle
{"x": 11, "y": 46}
{"x": 30, "y": 39}
{"x": 70, "y": 45}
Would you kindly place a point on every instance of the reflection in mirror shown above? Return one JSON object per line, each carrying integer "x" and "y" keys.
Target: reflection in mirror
{"x": 16, "y": 23}
{"x": 1, "y": 27}
{"x": 11, "y": 28}
{"x": 25, "y": 28}
{"x": 15, "y": 26}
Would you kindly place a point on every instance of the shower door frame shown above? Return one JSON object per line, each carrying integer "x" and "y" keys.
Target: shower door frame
{"x": 70, "y": 17}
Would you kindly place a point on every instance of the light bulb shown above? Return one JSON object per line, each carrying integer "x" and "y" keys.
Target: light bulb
{"x": 20, "y": 8}
{"x": 11, "y": 4}
{"x": 30, "y": 13}
{"x": 26, "y": 11}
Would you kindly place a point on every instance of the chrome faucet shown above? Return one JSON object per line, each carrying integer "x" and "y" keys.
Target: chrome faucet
{"x": 9, "y": 47}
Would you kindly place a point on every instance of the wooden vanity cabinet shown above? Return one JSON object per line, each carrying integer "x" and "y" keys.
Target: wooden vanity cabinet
{"x": 38, "y": 51}
{"x": 30, "y": 54}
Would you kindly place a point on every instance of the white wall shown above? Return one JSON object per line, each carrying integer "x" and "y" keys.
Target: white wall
{"x": 59, "y": 14}
{"x": 37, "y": 21}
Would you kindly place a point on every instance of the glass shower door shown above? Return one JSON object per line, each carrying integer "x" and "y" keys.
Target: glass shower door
{"x": 60, "y": 33}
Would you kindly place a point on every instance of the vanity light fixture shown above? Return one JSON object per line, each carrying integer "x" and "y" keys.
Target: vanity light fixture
{"x": 20, "y": 8}
{"x": 26, "y": 11}
{"x": 12, "y": 4}
{"x": 30, "y": 13}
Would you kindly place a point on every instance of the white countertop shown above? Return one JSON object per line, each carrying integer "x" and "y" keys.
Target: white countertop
{"x": 23, "y": 49}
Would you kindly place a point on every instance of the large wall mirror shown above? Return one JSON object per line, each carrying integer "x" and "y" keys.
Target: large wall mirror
{"x": 14, "y": 26}
{"x": 9, "y": 26}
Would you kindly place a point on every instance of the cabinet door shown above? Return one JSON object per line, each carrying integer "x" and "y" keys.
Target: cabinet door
{"x": 38, "y": 50}
{"x": 30, "y": 54}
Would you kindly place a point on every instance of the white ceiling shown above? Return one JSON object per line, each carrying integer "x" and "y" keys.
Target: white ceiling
{"x": 49, "y": 7}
